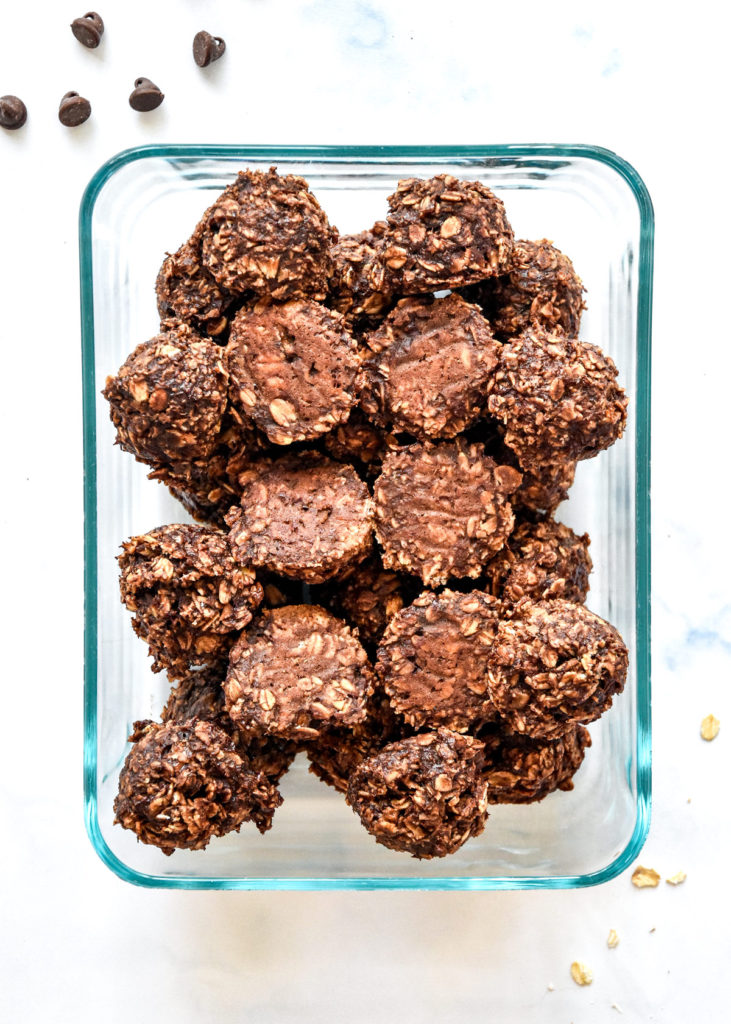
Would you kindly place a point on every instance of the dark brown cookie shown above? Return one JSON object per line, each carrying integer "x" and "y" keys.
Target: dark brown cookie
{"x": 557, "y": 397}
{"x": 428, "y": 367}
{"x": 555, "y": 664}
{"x": 432, "y": 660}
{"x": 207, "y": 487}
{"x": 187, "y": 290}
{"x": 296, "y": 672}
{"x": 182, "y": 784}
{"x": 169, "y": 397}
{"x": 188, "y": 596}
{"x": 424, "y": 795}
{"x": 543, "y": 488}
{"x": 358, "y": 282}
{"x": 522, "y": 770}
{"x": 443, "y": 233}
{"x": 541, "y": 559}
{"x": 541, "y": 288}
{"x": 302, "y": 516}
{"x": 268, "y": 234}
{"x": 336, "y": 752}
{"x": 359, "y": 440}
{"x": 442, "y": 510}
{"x": 200, "y": 695}
{"x": 292, "y": 369}
{"x": 367, "y": 596}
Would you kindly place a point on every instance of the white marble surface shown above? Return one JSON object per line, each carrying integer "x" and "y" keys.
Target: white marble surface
{"x": 646, "y": 80}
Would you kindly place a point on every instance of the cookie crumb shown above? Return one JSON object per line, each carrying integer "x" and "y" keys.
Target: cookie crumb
{"x": 612, "y": 939}
{"x": 644, "y": 878}
{"x": 677, "y": 879}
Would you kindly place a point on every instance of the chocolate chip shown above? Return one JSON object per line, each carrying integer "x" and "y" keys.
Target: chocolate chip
{"x": 74, "y": 110}
{"x": 145, "y": 95}
{"x": 207, "y": 48}
{"x": 88, "y": 30}
{"x": 13, "y": 113}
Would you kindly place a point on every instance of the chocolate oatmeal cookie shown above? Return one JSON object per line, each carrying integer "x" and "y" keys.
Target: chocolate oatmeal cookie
{"x": 187, "y": 290}
{"x": 267, "y": 233}
{"x": 442, "y": 510}
{"x": 200, "y": 695}
{"x": 208, "y": 487}
{"x": 292, "y": 369}
{"x": 428, "y": 367}
{"x": 432, "y": 660}
{"x": 336, "y": 752}
{"x": 183, "y": 783}
{"x": 557, "y": 397}
{"x": 168, "y": 399}
{"x": 543, "y": 488}
{"x": 554, "y": 664}
{"x": 541, "y": 559}
{"x": 359, "y": 440}
{"x": 296, "y": 672}
{"x": 444, "y": 233}
{"x": 188, "y": 596}
{"x": 303, "y": 516}
{"x": 522, "y": 770}
{"x": 424, "y": 795}
{"x": 541, "y": 289}
{"x": 358, "y": 283}
{"x": 367, "y": 596}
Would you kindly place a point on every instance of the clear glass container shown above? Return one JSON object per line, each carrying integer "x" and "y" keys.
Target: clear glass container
{"x": 594, "y": 206}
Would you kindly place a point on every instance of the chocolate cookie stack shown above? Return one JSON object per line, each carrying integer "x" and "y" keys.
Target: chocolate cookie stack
{"x": 378, "y": 580}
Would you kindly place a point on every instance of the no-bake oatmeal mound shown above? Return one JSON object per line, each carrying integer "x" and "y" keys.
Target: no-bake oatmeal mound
{"x": 374, "y": 431}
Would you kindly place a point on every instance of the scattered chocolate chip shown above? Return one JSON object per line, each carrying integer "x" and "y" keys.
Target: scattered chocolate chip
{"x": 145, "y": 95}
{"x": 74, "y": 110}
{"x": 88, "y": 30}
{"x": 13, "y": 113}
{"x": 207, "y": 48}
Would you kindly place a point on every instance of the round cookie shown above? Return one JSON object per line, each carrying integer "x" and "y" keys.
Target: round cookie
{"x": 442, "y": 510}
{"x": 360, "y": 440}
{"x": 367, "y": 597}
{"x": 540, "y": 288}
{"x": 302, "y": 516}
{"x": 292, "y": 369}
{"x": 432, "y": 660}
{"x": 168, "y": 399}
{"x": 444, "y": 233}
{"x": 428, "y": 367}
{"x": 543, "y": 488}
{"x": 183, "y": 783}
{"x": 208, "y": 487}
{"x": 185, "y": 289}
{"x": 424, "y": 795}
{"x": 187, "y": 594}
{"x": 542, "y": 559}
{"x": 296, "y": 672}
{"x": 557, "y": 397}
{"x": 337, "y": 752}
{"x": 521, "y": 770}
{"x": 267, "y": 233}
{"x": 554, "y": 664}
{"x": 358, "y": 283}
{"x": 200, "y": 695}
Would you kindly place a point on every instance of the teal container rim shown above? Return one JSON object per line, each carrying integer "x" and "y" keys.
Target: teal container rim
{"x": 335, "y": 154}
